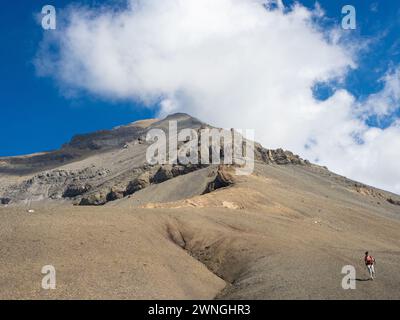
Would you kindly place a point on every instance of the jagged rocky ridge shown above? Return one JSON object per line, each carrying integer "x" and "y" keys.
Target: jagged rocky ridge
{"x": 92, "y": 186}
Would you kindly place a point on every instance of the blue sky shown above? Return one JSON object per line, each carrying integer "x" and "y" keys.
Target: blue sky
{"x": 37, "y": 115}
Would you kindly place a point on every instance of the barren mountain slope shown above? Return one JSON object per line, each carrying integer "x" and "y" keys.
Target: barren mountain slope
{"x": 286, "y": 231}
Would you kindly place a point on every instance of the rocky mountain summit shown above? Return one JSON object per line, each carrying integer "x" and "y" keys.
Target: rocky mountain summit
{"x": 108, "y": 165}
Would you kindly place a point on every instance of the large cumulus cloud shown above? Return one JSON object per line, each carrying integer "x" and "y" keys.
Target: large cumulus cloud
{"x": 233, "y": 63}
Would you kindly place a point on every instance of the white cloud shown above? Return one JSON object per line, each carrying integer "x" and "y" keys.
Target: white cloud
{"x": 387, "y": 100}
{"x": 234, "y": 64}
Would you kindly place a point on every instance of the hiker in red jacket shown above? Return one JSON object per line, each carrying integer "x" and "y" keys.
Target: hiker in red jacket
{"x": 369, "y": 262}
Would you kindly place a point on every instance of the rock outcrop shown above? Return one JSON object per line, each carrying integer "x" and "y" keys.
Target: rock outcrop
{"x": 395, "y": 202}
{"x": 223, "y": 179}
{"x": 119, "y": 166}
{"x": 5, "y": 201}
{"x": 137, "y": 184}
{"x": 75, "y": 190}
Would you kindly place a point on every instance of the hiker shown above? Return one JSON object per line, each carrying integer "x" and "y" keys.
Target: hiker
{"x": 369, "y": 262}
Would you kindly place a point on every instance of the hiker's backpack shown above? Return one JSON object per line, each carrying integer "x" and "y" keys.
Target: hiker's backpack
{"x": 370, "y": 260}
